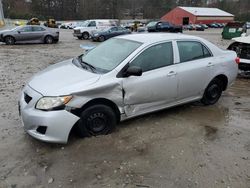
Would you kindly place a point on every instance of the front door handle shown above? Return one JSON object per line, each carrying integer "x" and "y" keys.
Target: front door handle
{"x": 210, "y": 64}
{"x": 172, "y": 73}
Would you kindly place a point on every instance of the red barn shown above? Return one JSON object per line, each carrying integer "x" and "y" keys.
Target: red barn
{"x": 197, "y": 15}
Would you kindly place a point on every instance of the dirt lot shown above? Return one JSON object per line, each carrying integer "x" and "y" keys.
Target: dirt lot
{"x": 186, "y": 146}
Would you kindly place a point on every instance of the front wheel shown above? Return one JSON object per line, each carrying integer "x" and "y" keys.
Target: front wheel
{"x": 96, "y": 120}
{"x": 85, "y": 36}
{"x": 9, "y": 40}
{"x": 49, "y": 40}
{"x": 213, "y": 92}
{"x": 101, "y": 38}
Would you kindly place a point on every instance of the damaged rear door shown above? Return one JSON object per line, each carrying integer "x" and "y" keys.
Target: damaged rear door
{"x": 157, "y": 86}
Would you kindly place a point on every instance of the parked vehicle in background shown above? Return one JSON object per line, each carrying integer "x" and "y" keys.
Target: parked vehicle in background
{"x": 189, "y": 27}
{"x": 29, "y": 34}
{"x": 51, "y": 23}
{"x": 68, "y": 25}
{"x": 109, "y": 33}
{"x": 199, "y": 27}
{"x": 90, "y": 26}
{"x": 204, "y": 26}
{"x": 248, "y": 25}
{"x": 20, "y": 22}
{"x": 122, "y": 78}
{"x": 213, "y": 25}
{"x": 219, "y": 25}
{"x": 33, "y": 21}
{"x": 242, "y": 47}
{"x": 163, "y": 26}
{"x": 233, "y": 29}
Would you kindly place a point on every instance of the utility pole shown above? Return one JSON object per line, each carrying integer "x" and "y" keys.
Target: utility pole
{"x": 1, "y": 14}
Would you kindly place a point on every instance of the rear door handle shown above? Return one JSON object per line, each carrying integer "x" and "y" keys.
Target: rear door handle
{"x": 210, "y": 64}
{"x": 172, "y": 73}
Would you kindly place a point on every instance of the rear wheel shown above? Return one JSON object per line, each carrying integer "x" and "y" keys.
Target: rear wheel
{"x": 101, "y": 38}
{"x": 96, "y": 120}
{"x": 85, "y": 35}
{"x": 213, "y": 92}
{"x": 9, "y": 40}
{"x": 49, "y": 40}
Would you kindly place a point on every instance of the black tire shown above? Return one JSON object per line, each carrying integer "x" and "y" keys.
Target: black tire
{"x": 85, "y": 35}
{"x": 213, "y": 92}
{"x": 79, "y": 38}
{"x": 101, "y": 38}
{"x": 9, "y": 40}
{"x": 49, "y": 39}
{"x": 96, "y": 120}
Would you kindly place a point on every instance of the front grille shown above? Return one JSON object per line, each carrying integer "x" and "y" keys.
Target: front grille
{"x": 77, "y": 31}
{"x": 27, "y": 98}
{"x": 244, "y": 66}
{"x": 242, "y": 49}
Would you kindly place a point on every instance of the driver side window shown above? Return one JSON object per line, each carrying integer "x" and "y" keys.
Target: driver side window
{"x": 92, "y": 24}
{"x": 155, "y": 57}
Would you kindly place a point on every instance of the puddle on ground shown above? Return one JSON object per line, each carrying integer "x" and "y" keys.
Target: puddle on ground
{"x": 210, "y": 132}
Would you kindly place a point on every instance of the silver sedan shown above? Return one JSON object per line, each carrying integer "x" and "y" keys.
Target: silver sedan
{"x": 29, "y": 34}
{"x": 122, "y": 78}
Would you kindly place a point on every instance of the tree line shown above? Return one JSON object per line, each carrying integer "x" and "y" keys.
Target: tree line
{"x": 113, "y": 9}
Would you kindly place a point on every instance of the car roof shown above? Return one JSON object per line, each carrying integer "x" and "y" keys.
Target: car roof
{"x": 157, "y": 37}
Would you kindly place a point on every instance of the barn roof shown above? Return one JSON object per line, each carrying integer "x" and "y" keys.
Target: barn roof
{"x": 199, "y": 11}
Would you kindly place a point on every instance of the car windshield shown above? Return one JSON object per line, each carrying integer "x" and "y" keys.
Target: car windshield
{"x": 106, "y": 29}
{"x": 16, "y": 28}
{"x": 110, "y": 54}
{"x": 84, "y": 24}
{"x": 150, "y": 24}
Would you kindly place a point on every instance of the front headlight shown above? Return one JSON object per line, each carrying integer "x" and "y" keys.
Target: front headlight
{"x": 96, "y": 34}
{"x": 50, "y": 103}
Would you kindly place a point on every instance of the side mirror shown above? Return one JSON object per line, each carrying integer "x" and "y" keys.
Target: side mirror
{"x": 133, "y": 71}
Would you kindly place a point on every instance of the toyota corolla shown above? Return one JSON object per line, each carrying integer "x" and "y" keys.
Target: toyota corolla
{"x": 124, "y": 77}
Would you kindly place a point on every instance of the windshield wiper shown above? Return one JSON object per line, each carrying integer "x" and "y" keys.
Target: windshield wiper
{"x": 93, "y": 69}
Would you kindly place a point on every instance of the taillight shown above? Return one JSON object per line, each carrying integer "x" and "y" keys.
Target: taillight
{"x": 237, "y": 60}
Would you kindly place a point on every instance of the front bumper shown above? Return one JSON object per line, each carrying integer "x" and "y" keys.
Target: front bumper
{"x": 1, "y": 38}
{"x": 95, "y": 38}
{"x": 58, "y": 123}
{"x": 244, "y": 64}
{"x": 77, "y": 34}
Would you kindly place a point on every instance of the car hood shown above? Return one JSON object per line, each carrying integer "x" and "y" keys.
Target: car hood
{"x": 4, "y": 31}
{"x": 245, "y": 39}
{"x": 79, "y": 28}
{"x": 62, "y": 79}
{"x": 103, "y": 32}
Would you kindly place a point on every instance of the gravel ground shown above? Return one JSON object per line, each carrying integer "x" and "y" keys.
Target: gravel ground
{"x": 185, "y": 146}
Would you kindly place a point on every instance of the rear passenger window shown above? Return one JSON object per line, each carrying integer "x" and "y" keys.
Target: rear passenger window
{"x": 190, "y": 50}
{"x": 154, "y": 57}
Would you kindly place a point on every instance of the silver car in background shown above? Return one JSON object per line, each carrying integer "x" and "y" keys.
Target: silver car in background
{"x": 29, "y": 34}
{"x": 122, "y": 78}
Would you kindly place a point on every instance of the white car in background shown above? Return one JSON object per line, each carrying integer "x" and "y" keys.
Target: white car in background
{"x": 68, "y": 25}
{"x": 242, "y": 47}
{"x": 92, "y": 26}
{"x": 122, "y": 78}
